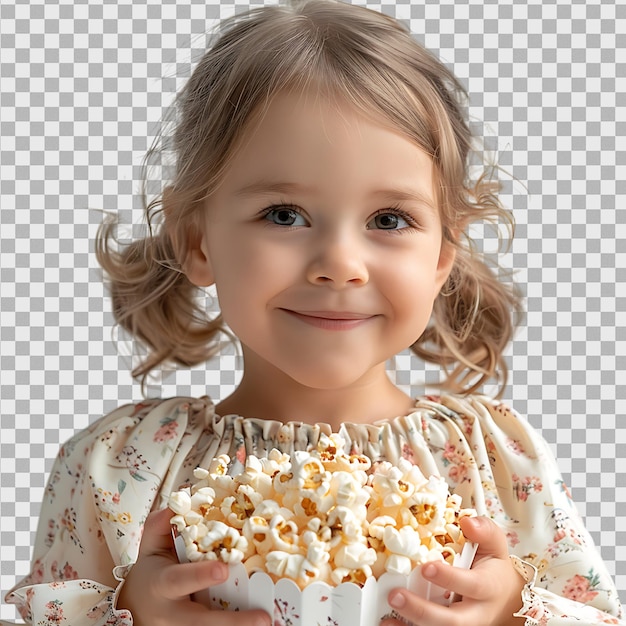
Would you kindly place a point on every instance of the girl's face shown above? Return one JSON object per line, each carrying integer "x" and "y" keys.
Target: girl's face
{"x": 325, "y": 244}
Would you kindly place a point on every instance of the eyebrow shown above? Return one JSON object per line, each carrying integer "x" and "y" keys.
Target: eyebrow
{"x": 268, "y": 186}
{"x": 410, "y": 195}
{"x": 391, "y": 193}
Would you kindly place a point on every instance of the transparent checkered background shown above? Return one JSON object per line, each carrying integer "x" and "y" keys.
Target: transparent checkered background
{"x": 82, "y": 87}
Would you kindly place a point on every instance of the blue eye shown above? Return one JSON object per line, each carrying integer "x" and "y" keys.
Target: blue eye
{"x": 284, "y": 216}
{"x": 386, "y": 220}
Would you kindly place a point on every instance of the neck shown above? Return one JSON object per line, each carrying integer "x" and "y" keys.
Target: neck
{"x": 268, "y": 393}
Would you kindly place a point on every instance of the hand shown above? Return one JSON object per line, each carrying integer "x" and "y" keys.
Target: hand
{"x": 157, "y": 589}
{"x": 491, "y": 589}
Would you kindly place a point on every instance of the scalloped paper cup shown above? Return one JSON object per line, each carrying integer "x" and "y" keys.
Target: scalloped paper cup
{"x": 319, "y": 604}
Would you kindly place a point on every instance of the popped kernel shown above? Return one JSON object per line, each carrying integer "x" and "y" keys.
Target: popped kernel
{"x": 223, "y": 542}
{"x": 294, "y": 566}
{"x": 180, "y": 502}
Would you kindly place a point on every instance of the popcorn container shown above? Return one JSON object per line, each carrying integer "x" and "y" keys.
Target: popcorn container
{"x": 319, "y": 604}
{"x": 321, "y": 537}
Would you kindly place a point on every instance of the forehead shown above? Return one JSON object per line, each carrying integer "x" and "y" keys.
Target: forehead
{"x": 303, "y": 135}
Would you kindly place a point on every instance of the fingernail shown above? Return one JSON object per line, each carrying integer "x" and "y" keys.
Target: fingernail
{"x": 397, "y": 600}
{"x": 220, "y": 570}
{"x": 429, "y": 570}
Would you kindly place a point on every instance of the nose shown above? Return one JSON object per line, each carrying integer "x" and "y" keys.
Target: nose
{"x": 337, "y": 261}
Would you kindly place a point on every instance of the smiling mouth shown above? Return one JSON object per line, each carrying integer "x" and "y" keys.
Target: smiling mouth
{"x": 331, "y": 320}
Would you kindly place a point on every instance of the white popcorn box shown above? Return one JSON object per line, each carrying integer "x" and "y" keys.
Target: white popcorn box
{"x": 319, "y": 604}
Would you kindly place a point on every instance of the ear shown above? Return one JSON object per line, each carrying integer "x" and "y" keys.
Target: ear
{"x": 447, "y": 256}
{"x": 197, "y": 266}
{"x": 189, "y": 243}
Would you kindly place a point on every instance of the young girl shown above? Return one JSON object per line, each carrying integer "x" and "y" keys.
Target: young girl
{"x": 322, "y": 187}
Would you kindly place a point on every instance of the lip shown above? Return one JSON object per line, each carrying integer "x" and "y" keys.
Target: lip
{"x": 331, "y": 320}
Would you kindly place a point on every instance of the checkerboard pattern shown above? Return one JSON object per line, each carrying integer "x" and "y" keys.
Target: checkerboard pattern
{"x": 82, "y": 88}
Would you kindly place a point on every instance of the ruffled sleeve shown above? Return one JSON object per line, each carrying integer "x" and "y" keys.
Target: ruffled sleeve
{"x": 493, "y": 456}
{"x": 101, "y": 488}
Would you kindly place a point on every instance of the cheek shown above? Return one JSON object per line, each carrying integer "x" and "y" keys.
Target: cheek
{"x": 410, "y": 290}
{"x": 409, "y": 275}
{"x": 245, "y": 283}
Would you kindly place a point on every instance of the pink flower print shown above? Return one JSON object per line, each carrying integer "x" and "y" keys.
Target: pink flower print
{"x": 98, "y": 611}
{"x": 515, "y": 446}
{"x": 52, "y": 532}
{"x": 37, "y": 574}
{"x": 449, "y": 452}
{"x": 490, "y": 446}
{"x": 167, "y": 431}
{"x": 538, "y": 611}
{"x": 56, "y": 584}
{"x": 458, "y": 471}
{"x": 538, "y": 615}
{"x": 523, "y": 487}
{"x": 407, "y": 453}
{"x": 103, "y": 609}
{"x": 68, "y": 524}
{"x": 565, "y": 537}
{"x": 603, "y": 618}
{"x": 141, "y": 409}
{"x": 122, "y": 617}
{"x": 24, "y": 608}
{"x": 54, "y": 613}
{"x": 468, "y": 424}
{"x": 493, "y": 507}
{"x": 554, "y": 549}
{"x": 67, "y": 572}
{"x": 580, "y": 588}
{"x": 54, "y": 479}
{"x": 512, "y": 538}
{"x": 240, "y": 455}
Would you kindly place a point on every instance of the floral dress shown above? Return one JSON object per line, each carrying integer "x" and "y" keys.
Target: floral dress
{"x": 108, "y": 477}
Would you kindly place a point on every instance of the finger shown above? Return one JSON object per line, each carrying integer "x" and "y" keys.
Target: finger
{"x": 181, "y": 580}
{"x": 199, "y": 615}
{"x": 157, "y": 533}
{"x": 466, "y": 583}
{"x": 488, "y": 535}
{"x": 254, "y": 617}
{"x": 421, "y": 612}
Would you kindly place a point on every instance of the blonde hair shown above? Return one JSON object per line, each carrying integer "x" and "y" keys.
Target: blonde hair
{"x": 352, "y": 53}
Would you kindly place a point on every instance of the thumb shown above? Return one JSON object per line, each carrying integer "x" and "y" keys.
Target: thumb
{"x": 487, "y": 534}
{"x": 157, "y": 533}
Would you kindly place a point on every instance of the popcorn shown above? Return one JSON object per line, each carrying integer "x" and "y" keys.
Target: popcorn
{"x": 318, "y": 515}
{"x": 405, "y": 547}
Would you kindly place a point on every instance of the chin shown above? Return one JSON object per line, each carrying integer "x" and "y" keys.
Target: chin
{"x": 328, "y": 380}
